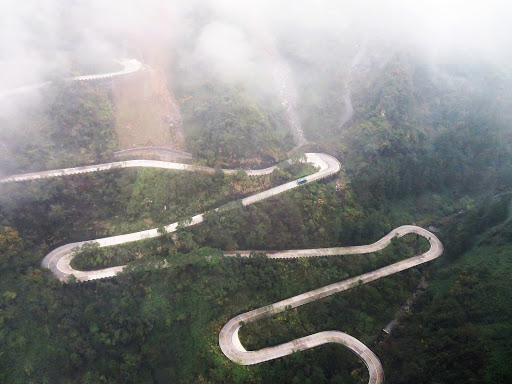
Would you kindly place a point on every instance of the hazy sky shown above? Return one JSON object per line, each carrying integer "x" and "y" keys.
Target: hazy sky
{"x": 34, "y": 33}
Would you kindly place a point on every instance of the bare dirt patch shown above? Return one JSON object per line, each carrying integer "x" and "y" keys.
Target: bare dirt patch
{"x": 145, "y": 112}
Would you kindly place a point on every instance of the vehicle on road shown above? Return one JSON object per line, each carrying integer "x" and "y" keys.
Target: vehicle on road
{"x": 302, "y": 181}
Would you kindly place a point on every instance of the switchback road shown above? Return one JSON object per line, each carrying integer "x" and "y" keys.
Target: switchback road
{"x": 228, "y": 337}
{"x": 58, "y": 261}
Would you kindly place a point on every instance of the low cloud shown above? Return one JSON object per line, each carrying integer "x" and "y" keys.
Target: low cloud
{"x": 39, "y": 36}
{"x": 226, "y": 49}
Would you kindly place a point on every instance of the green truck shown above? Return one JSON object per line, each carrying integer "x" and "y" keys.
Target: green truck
{"x": 302, "y": 181}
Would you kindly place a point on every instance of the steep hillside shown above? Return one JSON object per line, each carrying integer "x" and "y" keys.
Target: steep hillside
{"x": 460, "y": 330}
{"x": 71, "y": 124}
{"x": 420, "y": 127}
{"x": 146, "y": 114}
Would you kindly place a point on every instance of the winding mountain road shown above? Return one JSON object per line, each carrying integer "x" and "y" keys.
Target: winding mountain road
{"x": 58, "y": 261}
{"x": 129, "y": 66}
{"x": 228, "y": 337}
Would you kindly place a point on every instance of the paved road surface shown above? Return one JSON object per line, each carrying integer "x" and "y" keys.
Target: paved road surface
{"x": 130, "y": 66}
{"x": 58, "y": 261}
{"x": 228, "y": 337}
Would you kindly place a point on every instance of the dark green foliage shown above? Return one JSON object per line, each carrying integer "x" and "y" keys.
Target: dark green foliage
{"x": 361, "y": 312}
{"x": 136, "y": 327}
{"x": 227, "y": 128}
{"x": 427, "y": 145}
{"x": 76, "y": 207}
{"x": 463, "y": 232}
{"x": 460, "y": 331}
{"x": 82, "y": 207}
{"x": 74, "y": 126}
{"x": 421, "y": 129}
{"x": 311, "y": 216}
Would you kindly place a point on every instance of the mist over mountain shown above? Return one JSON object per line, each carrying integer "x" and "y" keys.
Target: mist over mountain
{"x": 406, "y": 107}
{"x": 43, "y": 40}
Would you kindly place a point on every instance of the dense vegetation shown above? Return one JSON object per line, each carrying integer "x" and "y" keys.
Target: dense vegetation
{"x": 423, "y": 129}
{"x": 417, "y": 126}
{"x": 135, "y": 328}
{"x": 429, "y": 146}
{"x": 227, "y": 128}
{"x": 125, "y": 339}
{"x": 230, "y": 119}
{"x": 81, "y": 207}
{"x": 459, "y": 332}
{"x": 74, "y": 126}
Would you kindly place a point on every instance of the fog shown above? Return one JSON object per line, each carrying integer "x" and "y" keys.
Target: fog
{"x": 43, "y": 39}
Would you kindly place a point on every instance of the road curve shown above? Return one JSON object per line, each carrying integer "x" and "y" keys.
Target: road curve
{"x": 58, "y": 261}
{"x": 228, "y": 337}
{"x": 129, "y": 66}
